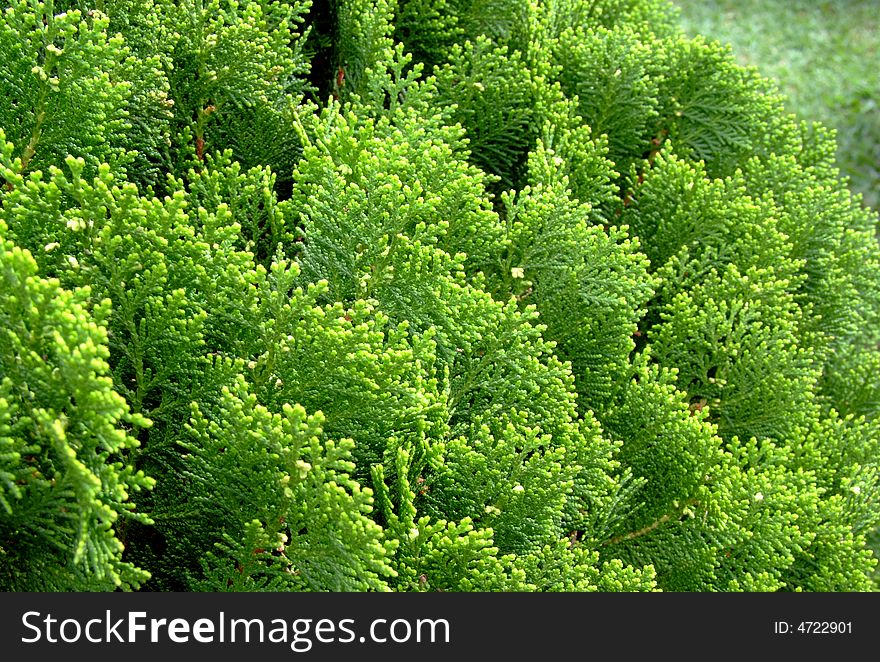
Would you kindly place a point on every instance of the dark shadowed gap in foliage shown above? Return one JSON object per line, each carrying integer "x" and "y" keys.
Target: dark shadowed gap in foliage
{"x": 323, "y": 19}
{"x": 147, "y": 545}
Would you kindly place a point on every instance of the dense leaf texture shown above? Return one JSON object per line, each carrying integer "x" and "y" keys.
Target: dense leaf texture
{"x": 423, "y": 295}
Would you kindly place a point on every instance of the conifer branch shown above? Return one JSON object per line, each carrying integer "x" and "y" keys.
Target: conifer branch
{"x": 648, "y": 528}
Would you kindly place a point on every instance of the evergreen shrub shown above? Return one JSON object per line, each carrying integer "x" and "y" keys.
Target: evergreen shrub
{"x": 423, "y": 295}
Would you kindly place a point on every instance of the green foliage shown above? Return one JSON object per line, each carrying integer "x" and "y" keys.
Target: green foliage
{"x": 273, "y": 482}
{"x": 589, "y": 282}
{"x": 65, "y": 439}
{"x": 235, "y": 68}
{"x": 361, "y": 183}
{"x": 609, "y": 72}
{"x": 62, "y": 86}
{"x": 519, "y": 297}
{"x": 822, "y": 55}
{"x": 492, "y": 96}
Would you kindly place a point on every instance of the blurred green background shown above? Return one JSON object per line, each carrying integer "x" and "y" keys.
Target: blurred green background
{"x": 823, "y": 54}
